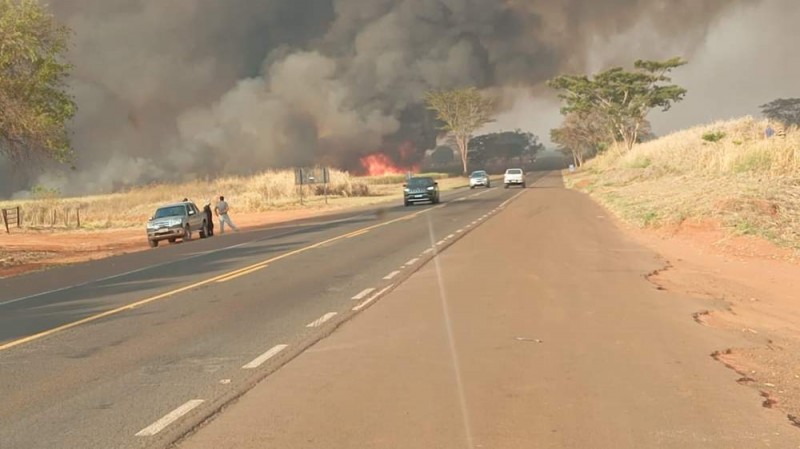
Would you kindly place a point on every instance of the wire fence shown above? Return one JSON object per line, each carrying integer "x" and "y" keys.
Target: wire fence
{"x": 41, "y": 216}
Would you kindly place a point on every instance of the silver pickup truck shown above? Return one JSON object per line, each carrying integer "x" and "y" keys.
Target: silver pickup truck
{"x": 176, "y": 221}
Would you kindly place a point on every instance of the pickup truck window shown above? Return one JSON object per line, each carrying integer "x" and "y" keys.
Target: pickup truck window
{"x": 172, "y": 211}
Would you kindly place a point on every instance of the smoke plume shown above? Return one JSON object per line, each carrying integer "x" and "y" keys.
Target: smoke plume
{"x": 171, "y": 90}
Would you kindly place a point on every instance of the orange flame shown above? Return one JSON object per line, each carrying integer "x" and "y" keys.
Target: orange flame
{"x": 379, "y": 164}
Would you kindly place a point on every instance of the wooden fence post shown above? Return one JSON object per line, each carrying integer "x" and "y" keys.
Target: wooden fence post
{"x": 5, "y": 221}
{"x": 78, "y": 216}
{"x": 19, "y": 217}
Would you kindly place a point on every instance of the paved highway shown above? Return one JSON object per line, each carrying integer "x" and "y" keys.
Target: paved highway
{"x": 538, "y": 330}
{"x": 133, "y": 351}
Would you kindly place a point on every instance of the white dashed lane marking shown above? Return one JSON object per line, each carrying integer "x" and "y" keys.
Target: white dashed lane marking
{"x": 321, "y": 320}
{"x": 391, "y": 275}
{"x": 410, "y": 262}
{"x": 363, "y": 294}
{"x": 371, "y": 298}
{"x": 258, "y": 361}
{"x": 169, "y": 418}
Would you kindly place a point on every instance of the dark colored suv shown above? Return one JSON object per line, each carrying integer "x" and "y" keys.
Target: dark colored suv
{"x": 421, "y": 189}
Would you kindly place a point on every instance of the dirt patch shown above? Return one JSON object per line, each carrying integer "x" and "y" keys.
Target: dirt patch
{"x": 712, "y": 237}
{"x": 27, "y": 250}
{"x": 754, "y": 284}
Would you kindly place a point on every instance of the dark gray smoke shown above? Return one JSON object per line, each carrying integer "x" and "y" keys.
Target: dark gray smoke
{"x": 178, "y": 89}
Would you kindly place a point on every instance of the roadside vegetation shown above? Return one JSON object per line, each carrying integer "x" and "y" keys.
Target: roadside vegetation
{"x": 271, "y": 190}
{"x": 35, "y": 105}
{"x": 741, "y": 174}
{"x": 726, "y": 173}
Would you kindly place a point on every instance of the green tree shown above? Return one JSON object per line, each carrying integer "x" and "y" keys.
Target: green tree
{"x": 624, "y": 97}
{"x": 582, "y": 136}
{"x": 34, "y": 104}
{"x": 504, "y": 145}
{"x": 783, "y": 110}
{"x": 461, "y": 112}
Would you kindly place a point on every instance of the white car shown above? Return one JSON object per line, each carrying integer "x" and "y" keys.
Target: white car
{"x": 479, "y": 178}
{"x": 514, "y": 176}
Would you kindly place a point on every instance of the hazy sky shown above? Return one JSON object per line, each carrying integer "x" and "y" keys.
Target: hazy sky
{"x": 170, "y": 90}
{"x": 747, "y": 58}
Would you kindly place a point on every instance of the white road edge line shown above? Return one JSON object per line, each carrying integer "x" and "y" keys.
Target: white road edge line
{"x": 440, "y": 242}
{"x": 169, "y": 418}
{"x": 450, "y": 236}
{"x": 258, "y": 361}
{"x": 371, "y": 298}
{"x": 428, "y": 251}
{"x": 321, "y": 320}
{"x": 391, "y": 275}
{"x": 363, "y": 294}
{"x": 410, "y": 262}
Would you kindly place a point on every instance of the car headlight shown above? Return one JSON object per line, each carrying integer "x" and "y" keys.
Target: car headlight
{"x": 406, "y": 190}
{"x": 431, "y": 188}
{"x": 151, "y": 226}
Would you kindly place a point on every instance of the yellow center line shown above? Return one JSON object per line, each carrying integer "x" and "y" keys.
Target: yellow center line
{"x": 220, "y": 278}
{"x": 357, "y": 234}
{"x": 243, "y": 273}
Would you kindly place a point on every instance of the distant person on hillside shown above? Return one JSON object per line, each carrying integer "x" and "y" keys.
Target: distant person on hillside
{"x": 769, "y": 132}
{"x": 222, "y": 210}
{"x": 209, "y": 217}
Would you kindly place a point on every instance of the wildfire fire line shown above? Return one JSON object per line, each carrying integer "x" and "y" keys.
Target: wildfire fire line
{"x": 379, "y": 164}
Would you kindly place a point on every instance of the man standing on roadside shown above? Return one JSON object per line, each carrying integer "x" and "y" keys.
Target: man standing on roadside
{"x": 209, "y": 218}
{"x": 222, "y": 212}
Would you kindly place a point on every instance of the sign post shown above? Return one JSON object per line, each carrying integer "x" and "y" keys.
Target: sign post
{"x": 311, "y": 176}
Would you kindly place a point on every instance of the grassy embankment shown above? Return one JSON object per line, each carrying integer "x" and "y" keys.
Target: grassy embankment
{"x": 727, "y": 173}
{"x": 272, "y": 190}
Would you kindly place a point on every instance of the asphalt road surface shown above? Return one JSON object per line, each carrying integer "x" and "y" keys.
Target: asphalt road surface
{"x": 500, "y": 318}
{"x": 536, "y": 330}
{"x": 119, "y": 353}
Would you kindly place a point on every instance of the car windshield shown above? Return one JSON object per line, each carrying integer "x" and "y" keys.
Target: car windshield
{"x": 478, "y": 174}
{"x": 420, "y": 182}
{"x": 172, "y": 211}
{"x": 514, "y": 171}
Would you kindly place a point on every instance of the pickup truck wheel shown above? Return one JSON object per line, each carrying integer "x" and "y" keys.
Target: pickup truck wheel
{"x": 187, "y": 235}
{"x": 152, "y": 243}
{"x": 172, "y": 240}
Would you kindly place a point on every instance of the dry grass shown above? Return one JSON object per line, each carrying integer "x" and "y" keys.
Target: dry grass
{"x": 727, "y": 172}
{"x": 272, "y": 190}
